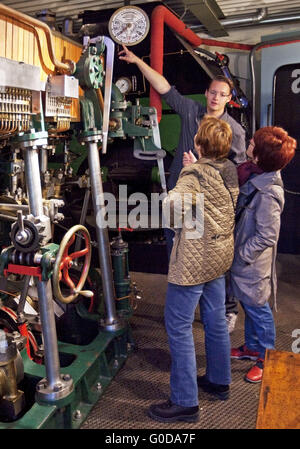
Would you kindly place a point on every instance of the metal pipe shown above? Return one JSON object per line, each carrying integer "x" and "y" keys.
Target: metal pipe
{"x": 7, "y": 217}
{"x": 33, "y": 181}
{"x": 43, "y": 160}
{"x": 261, "y": 14}
{"x": 260, "y": 18}
{"x": 272, "y": 20}
{"x": 68, "y": 67}
{"x": 6, "y": 206}
{"x": 102, "y": 233}
{"x": 46, "y": 310}
{"x": 162, "y": 16}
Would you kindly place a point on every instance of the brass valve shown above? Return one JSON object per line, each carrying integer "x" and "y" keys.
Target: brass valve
{"x": 12, "y": 400}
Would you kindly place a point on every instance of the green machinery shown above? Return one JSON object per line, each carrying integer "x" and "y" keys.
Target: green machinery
{"x": 52, "y": 369}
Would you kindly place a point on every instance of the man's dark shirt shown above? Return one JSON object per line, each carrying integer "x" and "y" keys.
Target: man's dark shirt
{"x": 191, "y": 113}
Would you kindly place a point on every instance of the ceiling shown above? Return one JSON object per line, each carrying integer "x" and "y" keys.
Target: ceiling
{"x": 217, "y": 18}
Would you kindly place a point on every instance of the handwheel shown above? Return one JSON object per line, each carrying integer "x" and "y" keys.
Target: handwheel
{"x": 64, "y": 262}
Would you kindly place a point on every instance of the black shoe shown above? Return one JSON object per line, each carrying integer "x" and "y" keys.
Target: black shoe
{"x": 217, "y": 391}
{"x": 169, "y": 412}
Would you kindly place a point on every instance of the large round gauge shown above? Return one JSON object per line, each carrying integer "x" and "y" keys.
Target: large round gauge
{"x": 129, "y": 25}
{"x": 124, "y": 84}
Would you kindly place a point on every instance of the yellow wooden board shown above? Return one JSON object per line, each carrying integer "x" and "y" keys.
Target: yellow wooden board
{"x": 279, "y": 401}
{"x": 19, "y": 43}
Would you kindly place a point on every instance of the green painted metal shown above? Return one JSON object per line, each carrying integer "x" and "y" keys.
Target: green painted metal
{"x": 155, "y": 177}
{"x": 92, "y": 368}
{"x": 4, "y": 258}
{"x": 119, "y": 256}
{"x": 169, "y": 125}
{"x": 31, "y": 136}
{"x": 89, "y": 69}
{"x": 48, "y": 253}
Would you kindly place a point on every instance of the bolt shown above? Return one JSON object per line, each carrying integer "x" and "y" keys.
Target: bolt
{"x": 57, "y": 387}
{"x": 98, "y": 386}
{"x": 66, "y": 377}
{"x": 41, "y": 386}
{"x": 116, "y": 363}
{"x": 77, "y": 414}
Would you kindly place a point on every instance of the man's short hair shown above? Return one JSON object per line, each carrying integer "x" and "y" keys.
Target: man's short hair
{"x": 223, "y": 79}
{"x": 274, "y": 148}
{"x": 214, "y": 136}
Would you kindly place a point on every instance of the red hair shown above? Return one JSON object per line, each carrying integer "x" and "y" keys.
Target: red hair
{"x": 274, "y": 148}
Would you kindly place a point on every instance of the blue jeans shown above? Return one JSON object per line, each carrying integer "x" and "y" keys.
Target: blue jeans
{"x": 181, "y": 303}
{"x": 169, "y": 235}
{"x": 231, "y": 303}
{"x": 259, "y": 328}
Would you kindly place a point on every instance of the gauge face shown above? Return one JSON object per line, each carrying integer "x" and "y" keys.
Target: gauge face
{"x": 124, "y": 85}
{"x": 129, "y": 25}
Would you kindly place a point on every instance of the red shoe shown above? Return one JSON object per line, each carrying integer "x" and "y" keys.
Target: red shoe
{"x": 255, "y": 374}
{"x": 243, "y": 353}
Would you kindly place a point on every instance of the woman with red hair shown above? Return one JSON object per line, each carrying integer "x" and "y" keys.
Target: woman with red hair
{"x": 253, "y": 275}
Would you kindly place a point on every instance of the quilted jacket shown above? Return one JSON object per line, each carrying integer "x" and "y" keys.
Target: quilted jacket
{"x": 203, "y": 252}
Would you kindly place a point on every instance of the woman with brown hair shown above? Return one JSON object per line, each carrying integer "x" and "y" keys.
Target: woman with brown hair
{"x": 199, "y": 259}
{"x": 253, "y": 275}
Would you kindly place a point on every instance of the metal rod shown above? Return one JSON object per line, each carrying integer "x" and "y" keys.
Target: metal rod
{"x": 14, "y": 206}
{"x": 7, "y": 217}
{"x": 33, "y": 181}
{"x": 110, "y": 46}
{"x": 43, "y": 160}
{"x": 102, "y": 232}
{"x": 82, "y": 219}
{"x": 46, "y": 310}
{"x": 23, "y": 295}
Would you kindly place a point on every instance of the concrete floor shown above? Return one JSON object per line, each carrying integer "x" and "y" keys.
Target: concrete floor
{"x": 144, "y": 379}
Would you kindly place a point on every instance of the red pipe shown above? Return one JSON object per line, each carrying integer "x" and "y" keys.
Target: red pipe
{"x": 160, "y": 16}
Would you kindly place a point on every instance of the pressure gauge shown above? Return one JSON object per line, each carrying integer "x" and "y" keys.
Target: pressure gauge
{"x": 124, "y": 85}
{"x": 129, "y": 25}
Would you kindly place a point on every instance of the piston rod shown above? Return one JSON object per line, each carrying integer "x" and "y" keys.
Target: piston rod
{"x": 53, "y": 387}
{"x": 112, "y": 321}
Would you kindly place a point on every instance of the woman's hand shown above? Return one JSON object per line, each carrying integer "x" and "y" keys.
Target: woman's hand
{"x": 188, "y": 159}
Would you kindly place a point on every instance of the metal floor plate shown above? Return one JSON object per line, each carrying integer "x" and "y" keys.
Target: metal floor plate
{"x": 144, "y": 379}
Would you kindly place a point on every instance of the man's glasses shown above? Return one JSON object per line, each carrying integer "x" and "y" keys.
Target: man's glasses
{"x": 215, "y": 93}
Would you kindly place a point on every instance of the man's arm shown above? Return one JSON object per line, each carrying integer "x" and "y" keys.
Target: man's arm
{"x": 237, "y": 152}
{"x": 157, "y": 81}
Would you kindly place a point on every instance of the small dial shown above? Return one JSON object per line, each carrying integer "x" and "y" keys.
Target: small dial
{"x": 129, "y": 25}
{"x": 124, "y": 85}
